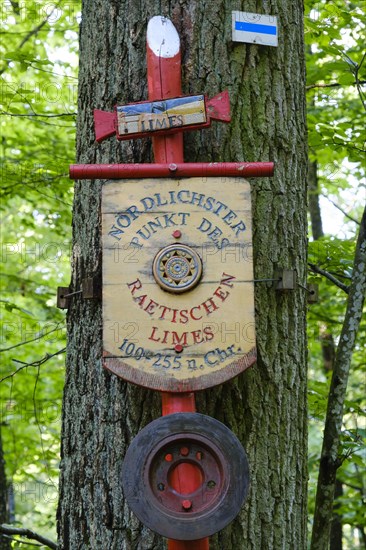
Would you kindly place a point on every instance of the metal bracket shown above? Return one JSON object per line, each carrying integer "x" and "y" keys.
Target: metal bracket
{"x": 285, "y": 280}
{"x": 313, "y": 293}
{"x": 62, "y": 302}
{"x": 90, "y": 290}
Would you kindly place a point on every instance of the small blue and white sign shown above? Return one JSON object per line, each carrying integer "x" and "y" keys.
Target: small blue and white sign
{"x": 254, "y": 28}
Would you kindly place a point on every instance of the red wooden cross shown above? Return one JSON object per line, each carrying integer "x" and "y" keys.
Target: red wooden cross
{"x": 164, "y": 117}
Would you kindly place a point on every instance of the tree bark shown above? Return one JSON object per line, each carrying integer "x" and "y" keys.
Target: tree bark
{"x": 327, "y": 341}
{"x": 5, "y": 543}
{"x": 336, "y": 528}
{"x": 266, "y": 406}
{"x": 330, "y": 457}
{"x": 314, "y": 206}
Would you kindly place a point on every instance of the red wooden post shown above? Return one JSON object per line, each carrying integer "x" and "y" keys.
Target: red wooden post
{"x": 164, "y": 82}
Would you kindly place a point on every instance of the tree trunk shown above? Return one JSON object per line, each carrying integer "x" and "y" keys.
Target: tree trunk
{"x": 266, "y": 406}
{"x": 331, "y": 459}
{"x": 314, "y": 205}
{"x": 336, "y": 528}
{"x": 327, "y": 341}
{"x": 5, "y": 542}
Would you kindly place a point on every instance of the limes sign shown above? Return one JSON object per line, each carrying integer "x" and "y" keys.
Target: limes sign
{"x": 178, "y": 298}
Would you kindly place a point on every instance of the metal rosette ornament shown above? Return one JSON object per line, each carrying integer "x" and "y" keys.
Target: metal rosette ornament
{"x": 177, "y": 268}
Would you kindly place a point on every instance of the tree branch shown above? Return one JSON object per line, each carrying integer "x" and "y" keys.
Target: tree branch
{"x": 38, "y": 337}
{"x": 37, "y": 115}
{"x": 21, "y": 541}
{"x": 15, "y": 6}
{"x": 326, "y": 274}
{"x": 341, "y": 210}
{"x": 330, "y": 459}
{"x": 334, "y": 85}
{"x": 34, "y": 364}
{"x": 27, "y": 533}
{"x": 32, "y": 33}
{"x": 359, "y": 82}
{"x": 355, "y": 487}
{"x": 345, "y": 144}
{"x": 37, "y": 28}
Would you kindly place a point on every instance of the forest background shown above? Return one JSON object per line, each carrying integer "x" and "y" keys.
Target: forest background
{"x": 38, "y": 100}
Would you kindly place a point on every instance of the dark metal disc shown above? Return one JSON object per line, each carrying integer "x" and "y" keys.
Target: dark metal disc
{"x": 212, "y": 450}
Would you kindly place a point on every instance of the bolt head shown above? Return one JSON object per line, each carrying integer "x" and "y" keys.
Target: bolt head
{"x": 186, "y": 504}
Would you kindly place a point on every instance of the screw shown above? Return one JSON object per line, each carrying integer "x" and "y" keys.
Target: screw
{"x": 184, "y": 451}
{"x": 173, "y": 167}
{"x": 186, "y": 504}
{"x": 161, "y": 486}
{"x": 211, "y": 484}
{"x": 178, "y": 348}
{"x": 177, "y": 234}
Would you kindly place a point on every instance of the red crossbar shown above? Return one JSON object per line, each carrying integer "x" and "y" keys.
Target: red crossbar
{"x": 179, "y": 169}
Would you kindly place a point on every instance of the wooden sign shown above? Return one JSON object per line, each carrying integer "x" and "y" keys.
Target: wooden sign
{"x": 178, "y": 298}
{"x": 159, "y": 115}
{"x": 164, "y": 116}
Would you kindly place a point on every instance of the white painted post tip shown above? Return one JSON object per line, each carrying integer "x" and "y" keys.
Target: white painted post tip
{"x": 162, "y": 37}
